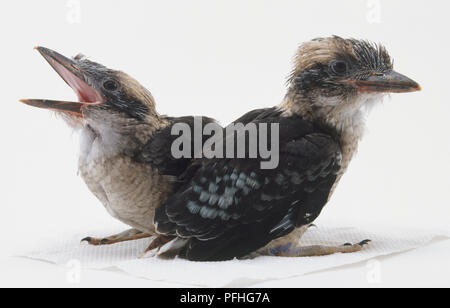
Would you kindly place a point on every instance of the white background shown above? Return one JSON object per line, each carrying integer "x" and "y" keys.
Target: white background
{"x": 222, "y": 59}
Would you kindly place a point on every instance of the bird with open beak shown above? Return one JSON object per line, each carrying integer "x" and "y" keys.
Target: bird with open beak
{"x": 230, "y": 208}
{"x": 125, "y": 157}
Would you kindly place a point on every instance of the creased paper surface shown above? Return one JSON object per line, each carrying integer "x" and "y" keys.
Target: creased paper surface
{"x": 235, "y": 273}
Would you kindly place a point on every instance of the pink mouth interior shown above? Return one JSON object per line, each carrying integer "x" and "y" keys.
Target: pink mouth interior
{"x": 85, "y": 93}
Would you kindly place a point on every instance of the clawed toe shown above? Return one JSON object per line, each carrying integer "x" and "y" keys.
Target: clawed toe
{"x": 362, "y": 244}
{"x": 96, "y": 241}
{"x": 365, "y": 242}
{"x": 87, "y": 239}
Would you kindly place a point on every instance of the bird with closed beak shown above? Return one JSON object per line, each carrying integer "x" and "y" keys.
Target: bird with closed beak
{"x": 231, "y": 208}
{"x": 125, "y": 152}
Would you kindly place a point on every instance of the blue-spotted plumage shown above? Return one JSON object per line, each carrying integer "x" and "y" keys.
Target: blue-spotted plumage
{"x": 213, "y": 188}
{"x": 193, "y": 207}
{"x": 213, "y": 199}
{"x": 243, "y": 207}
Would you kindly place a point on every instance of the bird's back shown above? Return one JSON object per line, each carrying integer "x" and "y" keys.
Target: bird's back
{"x": 228, "y": 208}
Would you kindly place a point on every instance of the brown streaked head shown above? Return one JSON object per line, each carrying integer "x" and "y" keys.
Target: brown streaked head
{"x": 96, "y": 86}
{"x": 334, "y": 66}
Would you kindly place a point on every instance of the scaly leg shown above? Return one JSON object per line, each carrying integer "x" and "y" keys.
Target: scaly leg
{"x": 313, "y": 251}
{"x": 128, "y": 235}
{"x": 287, "y": 246}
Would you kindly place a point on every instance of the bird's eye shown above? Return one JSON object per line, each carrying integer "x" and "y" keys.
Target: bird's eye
{"x": 339, "y": 67}
{"x": 110, "y": 85}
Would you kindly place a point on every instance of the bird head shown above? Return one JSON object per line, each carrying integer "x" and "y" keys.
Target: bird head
{"x": 335, "y": 78}
{"x": 102, "y": 92}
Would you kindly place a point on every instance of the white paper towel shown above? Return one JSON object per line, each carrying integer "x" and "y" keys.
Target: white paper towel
{"x": 235, "y": 273}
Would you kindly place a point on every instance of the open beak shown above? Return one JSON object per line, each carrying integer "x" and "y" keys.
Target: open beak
{"x": 74, "y": 76}
{"x": 390, "y": 82}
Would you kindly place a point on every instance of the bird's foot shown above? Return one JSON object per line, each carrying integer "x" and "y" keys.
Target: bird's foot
{"x": 129, "y": 235}
{"x": 313, "y": 251}
{"x": 156, "y": 245}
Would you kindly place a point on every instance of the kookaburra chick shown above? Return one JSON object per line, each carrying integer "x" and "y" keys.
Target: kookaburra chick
{"x": 231, "y": 208}
{"x": 125, "y": 153}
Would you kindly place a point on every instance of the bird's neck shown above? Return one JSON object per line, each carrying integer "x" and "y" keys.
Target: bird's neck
{"x": 105, "y": 138}
{"x": 345, "y": 118}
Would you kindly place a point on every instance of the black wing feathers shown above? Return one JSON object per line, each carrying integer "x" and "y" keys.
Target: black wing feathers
{"x": 231, "y": 207}
{"x": 157, "y": 151}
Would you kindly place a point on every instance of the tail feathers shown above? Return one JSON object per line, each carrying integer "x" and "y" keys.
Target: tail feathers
{"x": 173, "y": 248}
{"x": 226, "y": 247}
